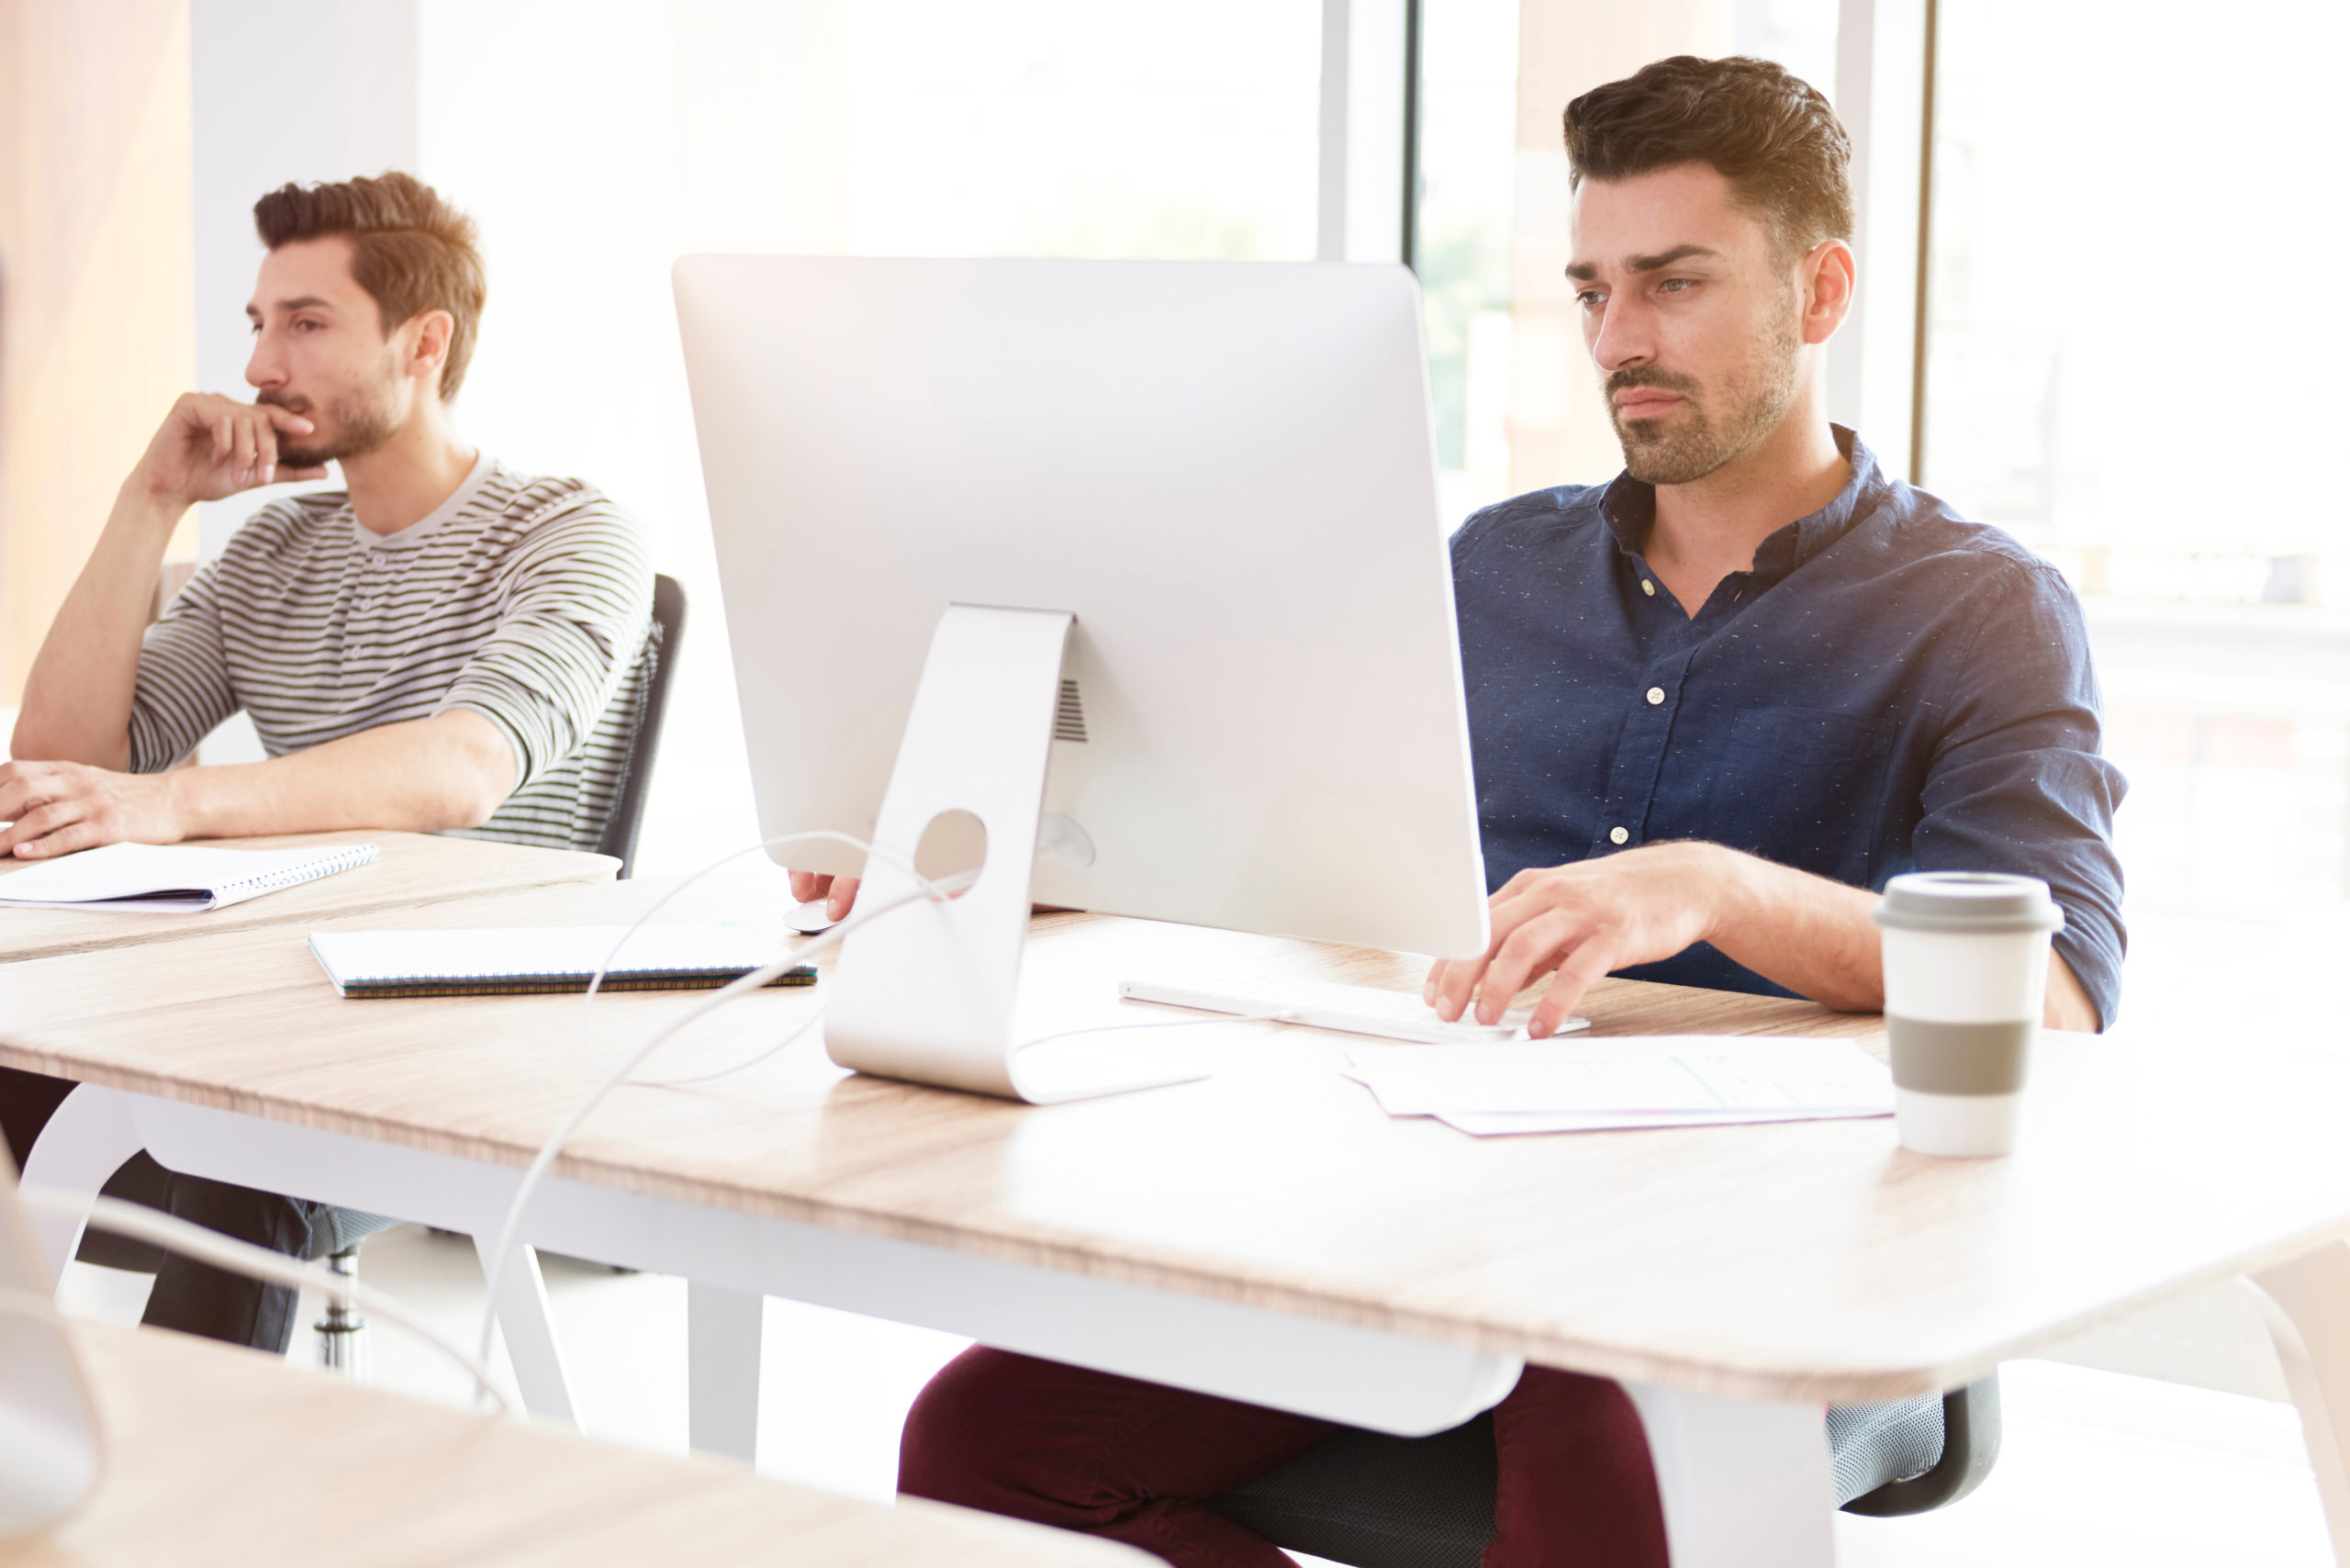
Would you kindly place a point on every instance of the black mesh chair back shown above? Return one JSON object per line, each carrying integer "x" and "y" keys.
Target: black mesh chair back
{"x": 1375, "y": 1501}
{"x": 667, "y": 634}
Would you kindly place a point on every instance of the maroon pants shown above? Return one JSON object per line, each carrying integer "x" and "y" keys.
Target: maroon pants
{"x": 1132, "y": 1460}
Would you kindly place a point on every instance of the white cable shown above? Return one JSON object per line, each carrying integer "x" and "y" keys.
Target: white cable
{"x": 799, "y": 1029}
{"x": 175, "y": 1235}
{"x": 596, "y": 981}
{"x": 548, "y": 1151}
{"x": 745, "y": 984}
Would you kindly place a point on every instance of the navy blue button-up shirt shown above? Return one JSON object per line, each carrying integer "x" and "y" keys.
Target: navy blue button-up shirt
{"x": 1890, "y": 688}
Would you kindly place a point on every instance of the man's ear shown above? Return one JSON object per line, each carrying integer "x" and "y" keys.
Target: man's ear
{"x": 1828, "y": 275}
{"x": 428, "y": 347}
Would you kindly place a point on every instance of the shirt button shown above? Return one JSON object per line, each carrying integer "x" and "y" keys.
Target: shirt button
{"x": 1648, "y": 587}
{"x": 1656, "y": 695}
{"x": 1618, "y": 835}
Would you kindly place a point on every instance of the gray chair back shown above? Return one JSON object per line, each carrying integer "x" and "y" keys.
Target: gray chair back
{"x": 662, "y": 642}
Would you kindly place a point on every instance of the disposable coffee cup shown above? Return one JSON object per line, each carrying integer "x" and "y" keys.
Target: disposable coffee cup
{"x": 1965, "y": 975}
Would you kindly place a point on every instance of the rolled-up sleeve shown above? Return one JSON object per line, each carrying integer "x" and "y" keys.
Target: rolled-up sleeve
{"x": 183, "y": 692}
{"x": 577, "y": 603}
{"x": 2017, "y": 784}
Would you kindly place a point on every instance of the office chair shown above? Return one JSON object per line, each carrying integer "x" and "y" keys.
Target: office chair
{"x": 619, "y": 839}
{"x": 1379, "y": 1501}
{"x": 341, "y": 1329}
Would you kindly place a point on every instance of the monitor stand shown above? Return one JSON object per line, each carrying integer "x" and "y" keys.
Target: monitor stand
{"x": 928, "y": 993}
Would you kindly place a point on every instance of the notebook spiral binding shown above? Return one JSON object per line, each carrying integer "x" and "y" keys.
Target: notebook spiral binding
{"x": 346, "y": 858}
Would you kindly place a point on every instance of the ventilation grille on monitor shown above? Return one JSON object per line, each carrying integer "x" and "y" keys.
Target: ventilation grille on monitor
{"x": 1069, "y": 715}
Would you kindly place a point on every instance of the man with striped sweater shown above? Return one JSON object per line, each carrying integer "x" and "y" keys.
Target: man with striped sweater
{"x": 444, "y": 645}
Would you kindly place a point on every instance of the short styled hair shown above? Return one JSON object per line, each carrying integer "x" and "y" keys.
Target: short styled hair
{"x": 1764, "y": 130}
{"x": 411, "y": 250}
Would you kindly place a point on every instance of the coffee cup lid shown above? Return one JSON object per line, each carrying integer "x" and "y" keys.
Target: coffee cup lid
{"x": 1967, "y": 901}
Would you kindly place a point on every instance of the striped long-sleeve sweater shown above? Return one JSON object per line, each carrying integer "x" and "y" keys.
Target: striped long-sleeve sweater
{"x": 527, "y": 600}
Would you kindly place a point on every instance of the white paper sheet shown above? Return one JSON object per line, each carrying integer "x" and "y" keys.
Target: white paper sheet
{"x": 1502, "y": 1124}
{"x": 1654, "y": 1081}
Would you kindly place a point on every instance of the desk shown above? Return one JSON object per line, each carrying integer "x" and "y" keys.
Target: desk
{"x": 219, "y": 1459}
{"x": 414, "y": 868}
{"x": 1270, "y": 1234}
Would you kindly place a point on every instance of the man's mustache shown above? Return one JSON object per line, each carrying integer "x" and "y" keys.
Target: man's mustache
{"x": 1649, "y": 375}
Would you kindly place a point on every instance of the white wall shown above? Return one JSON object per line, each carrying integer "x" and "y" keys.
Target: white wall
{"x": 282, "y": 90}
{"x": 551, "y": 125}
{"x": 563, "y": 129}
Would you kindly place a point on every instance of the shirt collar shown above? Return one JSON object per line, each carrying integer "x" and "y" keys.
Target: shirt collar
{"x": 423, "y": 528}
{"x": 1629, "y": 507}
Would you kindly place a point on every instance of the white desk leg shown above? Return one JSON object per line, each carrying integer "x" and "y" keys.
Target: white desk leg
{"x": 723, "y": 1370}
{"x": 86, "y": 1142}
{"x": 1745, "y": 1482}
{"x": 2307, "y": 1302}
{"x": 529, "y": 1333}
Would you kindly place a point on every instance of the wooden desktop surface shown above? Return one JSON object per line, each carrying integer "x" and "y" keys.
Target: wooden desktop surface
{"x": 1795, "y": 1261}
{"x": 412, "y": 868}
{"x": 219, "y": 1457}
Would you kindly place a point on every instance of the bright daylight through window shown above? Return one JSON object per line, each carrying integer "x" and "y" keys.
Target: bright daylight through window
{"x": 2129, "y": 367}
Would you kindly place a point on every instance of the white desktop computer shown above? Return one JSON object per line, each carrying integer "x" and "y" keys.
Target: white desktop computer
{"x": 1125, "y": 580}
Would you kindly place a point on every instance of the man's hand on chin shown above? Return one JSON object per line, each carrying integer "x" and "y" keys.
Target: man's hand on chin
{"x": 56, "y": 808}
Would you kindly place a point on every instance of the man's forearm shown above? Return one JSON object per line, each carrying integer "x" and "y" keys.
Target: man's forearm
{"x": 77, "y": 698}
{"x": 1815, "y": 937}
{"x": 1808, "y": 934}
{"x": 424, "y": 776}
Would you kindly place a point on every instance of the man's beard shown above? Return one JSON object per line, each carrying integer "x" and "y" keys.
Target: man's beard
{"x": 361, "y": 422}
{"x": 1669, "y": 451}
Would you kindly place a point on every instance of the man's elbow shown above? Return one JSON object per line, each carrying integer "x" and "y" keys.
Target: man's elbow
{"x": 479, "y": 775}
{"x": 473, "y": 807}
{"x": 485, "y": 788}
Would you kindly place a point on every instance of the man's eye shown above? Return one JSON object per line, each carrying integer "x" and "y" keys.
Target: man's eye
{"x": 1676, "y": 285}
{"x": 1591, "y": 299}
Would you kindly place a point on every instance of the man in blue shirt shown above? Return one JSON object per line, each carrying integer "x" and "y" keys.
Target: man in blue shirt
{"x": 1703, "y": 734}
{"x": 1713, "y": 705}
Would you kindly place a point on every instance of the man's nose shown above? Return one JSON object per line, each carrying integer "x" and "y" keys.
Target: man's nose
{"x": 1622, "y": 336}
{"x": 266, "y": 368}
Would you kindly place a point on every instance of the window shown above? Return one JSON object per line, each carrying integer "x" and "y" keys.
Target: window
{"x": 2132, "y": 365}
{"x": 1468, "y": 176}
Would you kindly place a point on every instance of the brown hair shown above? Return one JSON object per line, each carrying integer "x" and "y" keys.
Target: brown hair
{"x": 1763, "y": 129}
{"x": 411, "y": 250}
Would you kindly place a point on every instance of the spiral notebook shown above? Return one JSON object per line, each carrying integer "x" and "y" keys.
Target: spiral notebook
{"x": 536, "y": 961}
{"x": 172, "y": 878}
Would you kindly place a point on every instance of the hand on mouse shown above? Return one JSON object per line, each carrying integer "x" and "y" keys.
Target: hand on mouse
{"x": 839, "y": 893}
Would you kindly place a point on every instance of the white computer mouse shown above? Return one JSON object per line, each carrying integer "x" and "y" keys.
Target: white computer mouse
{"x": 809, "y": 918}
